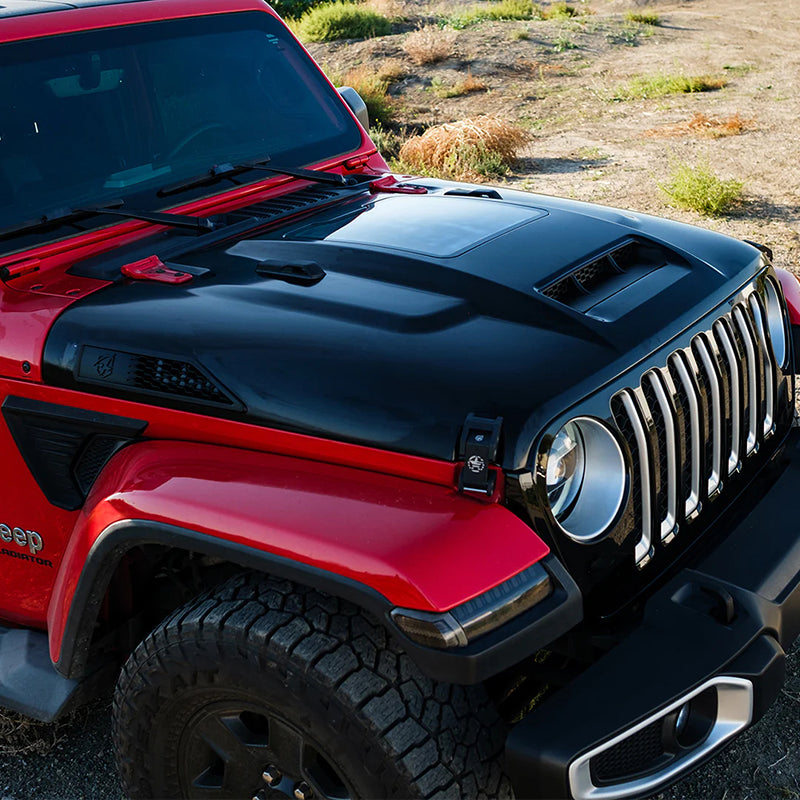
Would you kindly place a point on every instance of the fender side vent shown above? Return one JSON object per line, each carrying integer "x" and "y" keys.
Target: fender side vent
{"x": 66, "y": 448}
{"x": 151, "y": 375}
{"x": 592, "y": 282}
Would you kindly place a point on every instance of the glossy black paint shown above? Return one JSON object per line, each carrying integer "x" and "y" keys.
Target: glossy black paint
{"x": 397, "y": 344}
{"x": 683, "y": 640}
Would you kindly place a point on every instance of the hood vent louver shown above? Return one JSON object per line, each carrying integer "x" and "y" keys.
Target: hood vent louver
{"x": 293, "y": 202}
{"x": 587, "y": 286}
{"x": 153, "y": 375}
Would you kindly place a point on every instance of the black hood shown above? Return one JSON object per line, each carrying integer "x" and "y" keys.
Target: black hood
{"x": 431, "y": 307}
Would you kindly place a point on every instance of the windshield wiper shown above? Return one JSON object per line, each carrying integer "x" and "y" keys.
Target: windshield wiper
{"x": 63, "y": 216}
{"x": 59, "y": 216}
{"x": 161, "y": 218}
{"x": 220, "y": 172}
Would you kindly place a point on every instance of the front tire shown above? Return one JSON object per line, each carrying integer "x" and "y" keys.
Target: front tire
{"x": 266, "y": 687}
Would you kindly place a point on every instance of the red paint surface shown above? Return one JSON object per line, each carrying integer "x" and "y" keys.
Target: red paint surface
{"x": 419, "y": 545}
{"x": 25, "y": 588}
{"x": 791, "y": 291}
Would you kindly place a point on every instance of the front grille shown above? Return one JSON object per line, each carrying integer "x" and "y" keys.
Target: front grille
{"x": 695, "y": 422}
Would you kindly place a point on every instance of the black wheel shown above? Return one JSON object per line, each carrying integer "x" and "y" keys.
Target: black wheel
{"x": 266, "y": 689}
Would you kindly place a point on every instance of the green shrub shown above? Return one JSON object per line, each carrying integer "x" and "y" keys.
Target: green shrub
{"x": 645, "y": 86}
{"x": 499, "y": 10}
{"x": 697, "y": 188}
{"x": 643, "y": 19}
{"x": 561, "y": 11}
{"x": 291, "y": 9}
{"x": 341, "y": 20}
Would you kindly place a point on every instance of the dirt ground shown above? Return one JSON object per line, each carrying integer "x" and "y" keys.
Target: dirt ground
{"x": 559, "y": 83}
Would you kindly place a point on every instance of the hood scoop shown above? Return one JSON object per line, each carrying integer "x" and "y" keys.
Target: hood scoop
{"x": 593, "y": 286}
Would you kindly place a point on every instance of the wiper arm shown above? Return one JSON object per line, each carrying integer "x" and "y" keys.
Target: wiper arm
{"x": 222, "y": 171}
{"x": 216, "y": 173}
{"x": 162, "y": 218}
{"x": 62, "y": 216}
{"x": 318, "y": 176}
{"x": 59, "y": 216}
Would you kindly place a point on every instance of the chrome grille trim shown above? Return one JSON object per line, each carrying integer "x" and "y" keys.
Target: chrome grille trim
{"x": 729, "y": 346}
{"x": 752, "y": 378}
{"x": 695, "y": 420}
{"x": 670, "y": 520}
{"x": 643, "y": 551}
{"x": 757, "y": 308}
{"x": 715, "y": 472}
{"x": 692, "y": 504}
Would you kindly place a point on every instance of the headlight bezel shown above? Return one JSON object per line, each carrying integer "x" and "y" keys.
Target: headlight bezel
{"x": 602, "y": 495}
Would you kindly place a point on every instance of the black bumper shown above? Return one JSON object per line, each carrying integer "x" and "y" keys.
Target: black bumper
{"x": 732, "y": 614}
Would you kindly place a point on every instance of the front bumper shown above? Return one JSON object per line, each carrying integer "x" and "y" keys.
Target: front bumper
{"x": 711, "y": 640}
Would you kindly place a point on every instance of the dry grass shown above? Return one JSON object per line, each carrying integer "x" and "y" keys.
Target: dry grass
{"x": 705, "y": 126}
{"x": 470, "y": 149}
{"x": 395, "y": 10}
{"x": 20, "y": 735}
{"x": 466, "y": 86}
{"x": 373, "y": 87}
{"x": 391, "y": 70}
{"x": 430, "y": 44}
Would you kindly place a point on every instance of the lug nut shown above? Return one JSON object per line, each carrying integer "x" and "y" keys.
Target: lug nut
{"x": 303, "y": 791}
{"x": 271, "y": 775}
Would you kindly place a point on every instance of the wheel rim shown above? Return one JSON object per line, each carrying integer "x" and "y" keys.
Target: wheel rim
{"x": 235, "y": 749}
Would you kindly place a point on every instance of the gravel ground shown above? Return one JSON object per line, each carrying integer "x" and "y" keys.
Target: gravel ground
{"x": 763, "y": 764}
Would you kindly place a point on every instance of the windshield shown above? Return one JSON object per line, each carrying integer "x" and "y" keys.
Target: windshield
{"x": 118, "y": 113}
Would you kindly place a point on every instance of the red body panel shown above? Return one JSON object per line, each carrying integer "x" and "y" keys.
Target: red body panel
{"x": 791, "y": 291}
{"x": 419, "y": 545}
{"x": 26, "y": 588}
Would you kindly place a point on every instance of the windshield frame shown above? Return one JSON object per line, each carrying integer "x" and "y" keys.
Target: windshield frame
{"x": 231, "y": 193}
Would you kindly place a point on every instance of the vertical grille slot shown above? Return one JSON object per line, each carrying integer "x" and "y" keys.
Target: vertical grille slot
{"x": 724, "y": 337}
{"x": 768, "y": 365}
{"x": 696, "y": 420}
{"x": 714, "y": 418}
{"x": 751, "y": 380}
{"x": 666, "y": 458}
{"x": 638, "y": 441}
{"x": 689, "y": 397}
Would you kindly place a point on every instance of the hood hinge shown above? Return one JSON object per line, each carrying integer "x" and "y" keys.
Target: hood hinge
{"x": 480, "y": 441}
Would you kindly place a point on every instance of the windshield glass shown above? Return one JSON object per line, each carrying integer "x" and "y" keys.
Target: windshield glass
{"x": 118, "y": 113}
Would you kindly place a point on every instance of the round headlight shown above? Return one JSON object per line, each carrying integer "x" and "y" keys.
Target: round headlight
{"x": 586, "y": 478}
{"x": 776, "y": 323}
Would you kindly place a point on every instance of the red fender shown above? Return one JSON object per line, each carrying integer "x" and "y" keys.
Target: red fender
{"x": 791, "y": 291}
{"x": 419, "y": 545}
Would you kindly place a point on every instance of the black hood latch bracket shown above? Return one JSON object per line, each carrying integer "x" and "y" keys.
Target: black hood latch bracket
{"x": 480, "y": 442}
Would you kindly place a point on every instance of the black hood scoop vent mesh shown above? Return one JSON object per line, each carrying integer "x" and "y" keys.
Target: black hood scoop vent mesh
{"x": 588, "y": 286}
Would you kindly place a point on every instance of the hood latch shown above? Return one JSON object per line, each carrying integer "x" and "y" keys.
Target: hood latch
{"x": 480, "y": 441}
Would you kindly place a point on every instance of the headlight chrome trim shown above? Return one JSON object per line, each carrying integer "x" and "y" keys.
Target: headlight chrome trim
{"x": 604, "y": 485}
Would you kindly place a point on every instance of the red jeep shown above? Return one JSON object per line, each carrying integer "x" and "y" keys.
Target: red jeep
{"x": 359, "y": 485}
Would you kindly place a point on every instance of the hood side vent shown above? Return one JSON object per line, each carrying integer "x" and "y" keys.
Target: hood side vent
{"x": 153, "y": 375}
{"x": 589, "y": 284}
